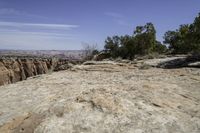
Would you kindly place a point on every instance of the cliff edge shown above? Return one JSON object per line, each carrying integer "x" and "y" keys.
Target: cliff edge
{"x": 18, "y": 69}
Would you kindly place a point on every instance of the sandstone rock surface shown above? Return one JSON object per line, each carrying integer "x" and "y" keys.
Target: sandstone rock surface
{"x": 103, "y": 98}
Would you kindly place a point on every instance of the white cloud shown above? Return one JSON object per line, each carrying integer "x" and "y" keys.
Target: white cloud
{"x": 21, "y": 35}
{"x": 37, "y": 25}
{"x": 10, "y": 12}
{"x": 15, "y": 35}
{"x": 39, "y": 34}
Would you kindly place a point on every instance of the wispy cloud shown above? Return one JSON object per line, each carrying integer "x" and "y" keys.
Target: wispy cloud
{"x": 38, "y": 25}
{"x": 11, "y": 12}
{"x": 39, "y": 34}
{"x": 17, "y": 35}
{"x": 14, "y": 39}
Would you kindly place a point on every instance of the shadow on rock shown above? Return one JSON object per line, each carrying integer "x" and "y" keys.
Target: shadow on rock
{"x": 190, "y": 61}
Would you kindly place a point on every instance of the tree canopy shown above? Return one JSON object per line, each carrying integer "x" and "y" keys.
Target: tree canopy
{"x": 142, "y": 42}
{"x": 186, "y": 39}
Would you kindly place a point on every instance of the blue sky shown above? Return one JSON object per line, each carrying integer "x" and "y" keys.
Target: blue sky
{"x": 68, "y": 24}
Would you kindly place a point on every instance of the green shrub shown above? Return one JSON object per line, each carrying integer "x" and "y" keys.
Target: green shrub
{"x": 186, "y": 39}
{"x": 142, "y": 42}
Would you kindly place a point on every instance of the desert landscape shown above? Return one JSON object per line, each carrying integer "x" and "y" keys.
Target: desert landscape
{"x": 99, "y": 66}
{"x": 105, "y": 96}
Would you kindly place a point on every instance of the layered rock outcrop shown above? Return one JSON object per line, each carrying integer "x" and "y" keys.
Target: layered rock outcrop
{"x": 18, "y": 69}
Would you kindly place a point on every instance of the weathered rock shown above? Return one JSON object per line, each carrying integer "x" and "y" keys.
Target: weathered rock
{"x": 4, "y": 74}
{"x": 13, "y": 70}
{"x": 63, "y": 67}
{"x": 195, "y": 64}
{"x": 104, "y": 97}
{"x": 171, "y": 62}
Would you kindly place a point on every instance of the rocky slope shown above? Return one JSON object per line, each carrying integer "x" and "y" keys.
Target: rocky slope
{"x": 18, "y": 69}
{"x": 104, "y": 97}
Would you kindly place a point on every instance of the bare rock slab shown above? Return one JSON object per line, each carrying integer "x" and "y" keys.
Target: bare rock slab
{"x": 103, "y": 98}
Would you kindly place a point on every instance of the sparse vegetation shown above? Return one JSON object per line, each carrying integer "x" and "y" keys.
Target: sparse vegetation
{"x": 143, "y": 41}
{"x": 186, "y": 39}
{"x": 89, "y": 51}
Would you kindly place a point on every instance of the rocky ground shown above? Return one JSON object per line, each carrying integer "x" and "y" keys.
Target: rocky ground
{"x": 104, "y": 97}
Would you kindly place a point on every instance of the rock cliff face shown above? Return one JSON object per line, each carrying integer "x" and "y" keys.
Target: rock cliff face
{"x": 13, "y": 70}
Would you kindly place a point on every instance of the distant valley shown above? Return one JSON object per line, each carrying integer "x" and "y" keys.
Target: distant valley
{"x": 63, "y": 54}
